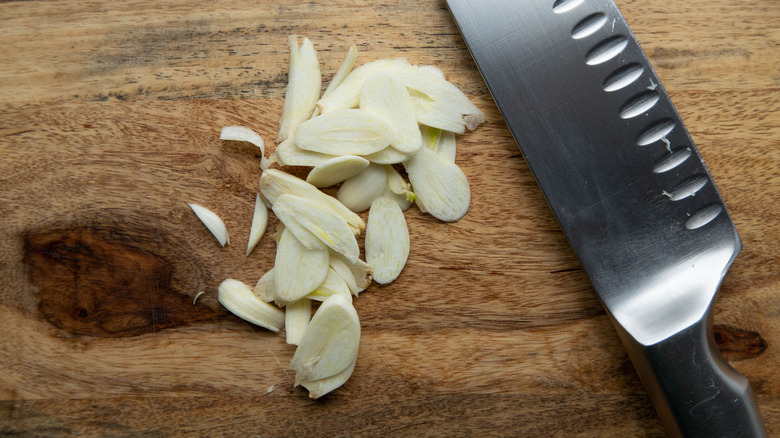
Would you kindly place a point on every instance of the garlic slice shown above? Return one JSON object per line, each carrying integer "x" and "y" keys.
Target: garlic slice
{"x": 388, "y": 155}
{"x": 212, "y": 222}
{"x": 398, "y": 189}
{"x": 387, "y": 98}
{"x": 303, "y": 86}
{"x": 344, "y": 132}
{"x": 289, "y": 154}
{"x": 318, "y": 388}
{"x": 242, "y": 133}
{"x": 331, "y": 342}
{"x": 387, "y": 240}
{"x": 259, "y": 224}
{"x": 296, "y": 320}
{"x": 440, "y": 185}
{"x": 441, "y": 142}
{"x": 336, "y": 170}
{"x": 357, "y": 193}
{"x": 241, "y": 301}
{"x": 264, "y": 289}
{"x": 316, "y": 218}
{"x": 275, "y": 182}
{"x": 357, "y": 275}
{"x": 334, "y": 284}
{"x": 347, "y": 94}
{"x": 297, "y": 269}
{"x": 343, "y": 72}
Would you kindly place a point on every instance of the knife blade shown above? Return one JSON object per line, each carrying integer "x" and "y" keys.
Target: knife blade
{"x": 628, "y": 187}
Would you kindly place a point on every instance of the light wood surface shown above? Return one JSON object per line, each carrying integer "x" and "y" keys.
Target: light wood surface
{"x": 109, "y": 125}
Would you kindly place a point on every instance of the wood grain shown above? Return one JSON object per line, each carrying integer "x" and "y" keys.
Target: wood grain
{"x": 109, "y": 125}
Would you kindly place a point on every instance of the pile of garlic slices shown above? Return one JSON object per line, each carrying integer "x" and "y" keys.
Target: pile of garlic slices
{"x": 369, "y": 122}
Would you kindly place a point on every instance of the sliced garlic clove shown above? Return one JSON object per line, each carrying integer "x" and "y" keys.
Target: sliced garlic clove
{"x": 331, "y": 342}
{"x": 343, "y": 72}
{"x": 275, "y": 182}
{"x": 344, "y": 132}
{"x": 318, "y": 388}
{"x": 259, "y": 224}
{"x": 297, "y": 269}
{"x": 264, "y": 289}
{"x": 387, "y": 240}
{"x": 289, "y": 154}
{"x": 358, "y": 192}
{"x": 241, "y": 301}
{"x": 440, "y": 185}
{"x": 347, "y": 93}
{"x": 303, "y": 86}
{"x": 296, "y": 320}
{"x": 300, "y": 231}
{"x": 334, "y": 284}
{"x": 388, "y": 155}
{"x": 357, "y": 275}
{"x": 403, "y": 201}
{"x": 242, "y": 133}
{"x": 319, "y": 220}
{"x": 398, "y": 189}
{"x": 441, "y": 142}
{"x": 212, "y": 222}
{"x": 336, "y": 170}
{"x": 278, "y": 232}
{"x": 387, "y": 98}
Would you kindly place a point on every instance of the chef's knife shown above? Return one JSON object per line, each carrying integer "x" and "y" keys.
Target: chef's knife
{"x": 629, "y": 189}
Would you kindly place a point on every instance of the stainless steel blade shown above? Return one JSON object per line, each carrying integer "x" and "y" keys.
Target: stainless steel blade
{"x": 627, "y": 185}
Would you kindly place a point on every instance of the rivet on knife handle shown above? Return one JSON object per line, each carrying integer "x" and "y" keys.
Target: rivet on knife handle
{"x": 628, "y": 186}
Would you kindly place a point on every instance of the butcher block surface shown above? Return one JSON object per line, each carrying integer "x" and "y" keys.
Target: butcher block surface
{"x": 110, "y": 114}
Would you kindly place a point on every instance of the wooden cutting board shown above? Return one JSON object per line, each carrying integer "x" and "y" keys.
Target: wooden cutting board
{"x": 111, "y": 113}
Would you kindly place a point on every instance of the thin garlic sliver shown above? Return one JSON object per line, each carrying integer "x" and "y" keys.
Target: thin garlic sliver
{"x": 242, "y": 133}
{"x": 357, "y": 275}
{"x": 318, "y": 388}
{"x": 440, "y": 185}
{"x": 344, "y": 132}
{"x": 212, "y": 222}
{"x": 241, "y": 301}
{"x": 357, "y": 193}
{"x": 297, "y": 269}
{"x": 334, "y": 284}
{"x": 387, "y": 240}
{"x": 388, "y": 155}
{"x": 303, "y": 86}
{"x": 274, "y": 183}
{"x": 259, "y": 224}
{"x": 296, "y": 320}
{"x": 289, "y": 154}
{"x": 398, "y": 190}
{"x": 319, "y": 220}
{"x": 347, "y": 93}
{"x": 336, "y": 170}
{"x": 330, "y": 344}
{"x": 341, "y": 74}
{"x": 387, "y": 98}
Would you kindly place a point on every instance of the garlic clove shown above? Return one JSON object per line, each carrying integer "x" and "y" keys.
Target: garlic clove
{"x": 259, "y": 224}
{"x": 441, "y": 142}
{"x": 241, "y": 301}
{"x": 440, "y": 185}
{"x": 357, "y": 275}
{"x": 297, "y": 269}
{"x": 303, "y": 86}
{"x": 264, "y": 289}
{"x": 289, "y": 154}
{"x": 387, "y": 98}
{"x": 318, "y": 388}
{"x": 296, "y": 320}
{"x": 331, "y": 342}
{"x": 334, "y": 284}
{"x": 387, "y": 240}
{"x": 274, "y": 183}
{"x": 344, "y": 132}
{"x": 336, "y": 170}
{"x": 357, "y": 193}
{"x": 347, "y": 93}
{"x": 242, "y": 133}
{"x": 212, "y": 222}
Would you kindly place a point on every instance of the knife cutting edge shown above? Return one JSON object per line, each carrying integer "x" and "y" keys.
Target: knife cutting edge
{"x": 629, "y": 188}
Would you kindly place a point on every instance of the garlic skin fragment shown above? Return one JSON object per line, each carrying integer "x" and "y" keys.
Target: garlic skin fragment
{"x": 357, "y": 193}
{"x": 318, "y": 388}
{"x": 334, "y": 284}
{"x": 387, "y": 240}
{"x": 241, "y": 301}
{"x": 441, "y": 142}
{"x": 259, "y": 224}
{"x": 331, "y": 342}
{"x": 274, "y": 183}
{"x": 264, "y": 289}
{"x": 242, "y": 133}
{"x": 303, "y": 86}
{"x": 357, "y": 275}
{"x": 297, "y": 269}
{"x": 344, "y": 132}
{"x": 439, "y": 185}
{"x": 296, "y": 320}
{"x": 212, "y": 222}
{"x": 317, "y": 219}
{"x": 347, "y": 94}
{"x": 289, "y": 154}
{"x": 388, "y": 99}
{"x": 336, "y": 170}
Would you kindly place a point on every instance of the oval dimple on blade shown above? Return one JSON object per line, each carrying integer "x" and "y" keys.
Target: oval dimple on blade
{"x": 669, "y": 162}
{"x": 639, "y": 104}
{"x": 561, "y": 6}
{"x": 606, "y": 50}
{"x": 655, "y": 132}
{"x": 588, "y": 25}
{"x": 687, "y": 188}
{"x": 623, "y": 77}
{"x": 703, "y": 216}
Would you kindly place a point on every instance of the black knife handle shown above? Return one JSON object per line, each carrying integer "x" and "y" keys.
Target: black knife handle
{"x": 695, "y": 391}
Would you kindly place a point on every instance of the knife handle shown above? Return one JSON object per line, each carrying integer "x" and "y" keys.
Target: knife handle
{"x": 695, "y": 391}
